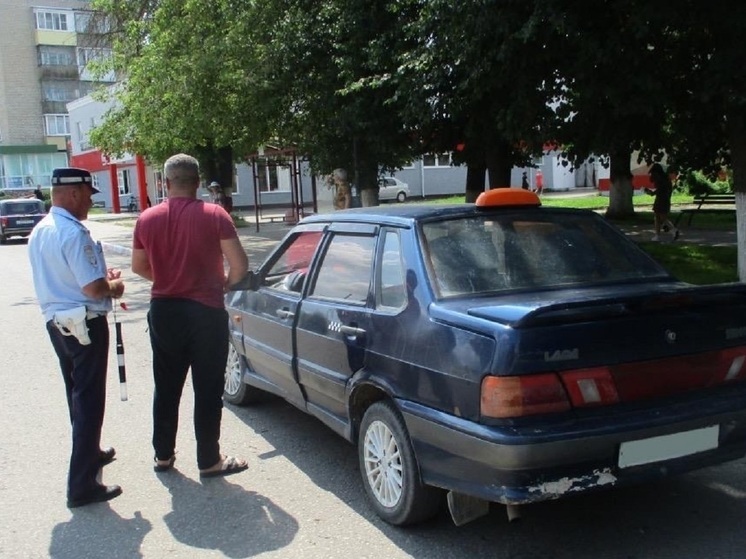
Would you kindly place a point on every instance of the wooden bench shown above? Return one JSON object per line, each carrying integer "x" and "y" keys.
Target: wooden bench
{"x": 708, "y": 203}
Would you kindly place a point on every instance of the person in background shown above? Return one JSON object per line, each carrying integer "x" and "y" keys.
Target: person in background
{"x": 75, "y": 289}
{"x": 662, "y": 205}
{"x": 539, "y": 182}
{"x": 216, "y": 193}
{"x": 342, "y": 193}
{"x": 524, "y": 181}
{"x": 179, "y": 245}
{"x": 38, "y": 193}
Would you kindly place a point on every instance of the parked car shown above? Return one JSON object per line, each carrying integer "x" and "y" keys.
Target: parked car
{"x": 497, "y": 352}
{"x": 391, "y": 188}
{"x": 18, "y": 216}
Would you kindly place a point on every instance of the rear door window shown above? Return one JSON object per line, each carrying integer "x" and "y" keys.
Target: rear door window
{"x": 346, "y": 269}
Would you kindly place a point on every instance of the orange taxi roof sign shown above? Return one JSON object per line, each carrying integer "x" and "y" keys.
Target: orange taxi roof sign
{"x": 498, "y": 197}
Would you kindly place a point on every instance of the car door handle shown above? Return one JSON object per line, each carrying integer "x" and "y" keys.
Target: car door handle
{"x": 284, "y": 313}
{"x": 351, "y": 330}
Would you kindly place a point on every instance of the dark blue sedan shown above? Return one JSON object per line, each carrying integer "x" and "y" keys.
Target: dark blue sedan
{"x": 492, "y": 352}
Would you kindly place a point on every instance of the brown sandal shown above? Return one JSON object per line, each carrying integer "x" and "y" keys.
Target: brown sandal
{"x": 164, "y": 465}
{"x": 227, "y": 466}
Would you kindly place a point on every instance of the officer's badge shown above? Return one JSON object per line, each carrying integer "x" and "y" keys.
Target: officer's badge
{"x": 90, "y": 253}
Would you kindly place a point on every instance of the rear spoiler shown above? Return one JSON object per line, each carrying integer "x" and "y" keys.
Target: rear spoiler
{"x": 563, "y": 312}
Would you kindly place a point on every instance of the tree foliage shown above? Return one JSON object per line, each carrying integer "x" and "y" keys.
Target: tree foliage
{"x": 371, "y": 84}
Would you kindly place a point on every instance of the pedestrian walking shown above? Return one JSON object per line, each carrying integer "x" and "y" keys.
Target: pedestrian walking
{"x": 662, "y": 205}
{"x": 75, "y": 291}
{"x": 179, "y": 245}
{"x": 539, "y": 182}
{"x": 524, "y": 181}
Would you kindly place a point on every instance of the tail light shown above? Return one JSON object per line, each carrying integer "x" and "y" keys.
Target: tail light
{"x": 519, "y": 396}
{"x": 4, "y": 221}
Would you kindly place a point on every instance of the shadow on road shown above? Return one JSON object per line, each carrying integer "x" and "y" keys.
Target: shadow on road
{"x": 223, "y": 516}
{"x": 695, "y": 515}
{"x": 99, "y": 532}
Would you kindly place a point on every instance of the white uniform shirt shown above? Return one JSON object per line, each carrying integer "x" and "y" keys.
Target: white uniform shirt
{"x": 64, "y": 259}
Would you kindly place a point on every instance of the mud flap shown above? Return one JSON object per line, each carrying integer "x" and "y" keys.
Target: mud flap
{"x": 464, "y": 508}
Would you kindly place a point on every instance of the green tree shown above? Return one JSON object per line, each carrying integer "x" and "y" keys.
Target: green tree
{"x": 322, "y": 65}
{"x": 479, "y": 75}
{"x": 183, "y": 87}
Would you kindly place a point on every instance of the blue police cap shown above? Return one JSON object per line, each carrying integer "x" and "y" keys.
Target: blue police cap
{"x": 70, "y": 176}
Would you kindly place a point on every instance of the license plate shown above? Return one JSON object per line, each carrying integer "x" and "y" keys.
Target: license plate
{"x": 24, "y": 221}
{"x": 667, "y": 447}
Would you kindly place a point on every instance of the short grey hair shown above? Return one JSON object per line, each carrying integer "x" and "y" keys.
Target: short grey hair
{"x": 339, "y": 174}
{"x": 182, "y": 170}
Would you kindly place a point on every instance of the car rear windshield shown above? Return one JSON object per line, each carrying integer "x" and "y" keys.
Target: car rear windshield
{"x": 531, "y": 250}
{"x": 22, "y": 207}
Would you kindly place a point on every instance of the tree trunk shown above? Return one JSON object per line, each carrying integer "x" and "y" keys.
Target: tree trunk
{"x": 499, "y": 165}
{"x": 367, "y": 181}
{"x": 621, "y": 191}
{"x": 216, "y": 164}
{"x": 474, "y": 181}
{"x": 736, "y": 130}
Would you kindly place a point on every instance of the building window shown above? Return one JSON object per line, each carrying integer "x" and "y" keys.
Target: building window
{"x": 51, "y": 20}
{"x": 61, "y": 90}
{"x": 272, "y": 176}
{"x": 436, "y": 160}
{"x": 123, "y": 178}
{"x": 94, "y": 23}
{"x": 55, "y": 56}
{"x": 86, "y": 55}
{"x": 57, "y": 125}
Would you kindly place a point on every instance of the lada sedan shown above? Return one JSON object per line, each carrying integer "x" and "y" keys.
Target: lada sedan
{"x": 19, "y": 216}
{"x": 492, "y": 352}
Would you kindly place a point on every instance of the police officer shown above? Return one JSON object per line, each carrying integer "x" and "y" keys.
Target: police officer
{"x": 75, "y": 289}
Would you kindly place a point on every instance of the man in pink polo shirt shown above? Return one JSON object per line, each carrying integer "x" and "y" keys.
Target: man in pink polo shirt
{"x": 179, "y": 245}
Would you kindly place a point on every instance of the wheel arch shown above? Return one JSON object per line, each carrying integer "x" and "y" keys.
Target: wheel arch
{"x": 364, "y": 394}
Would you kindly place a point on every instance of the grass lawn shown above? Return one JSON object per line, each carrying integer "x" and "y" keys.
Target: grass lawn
{"x": 697, "y": 264}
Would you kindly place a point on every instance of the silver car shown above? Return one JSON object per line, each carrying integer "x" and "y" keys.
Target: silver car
{"x": 391, "y": 188}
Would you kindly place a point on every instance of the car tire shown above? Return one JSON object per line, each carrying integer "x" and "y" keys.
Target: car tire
{"x": 401, "y": 197}
{"x": 235, "y": 390}
{"x": 390, "y": 471}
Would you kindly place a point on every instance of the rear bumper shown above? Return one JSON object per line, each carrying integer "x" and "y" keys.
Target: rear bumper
{"x": 17, "y": 230}
{"x": 519, "y": 466}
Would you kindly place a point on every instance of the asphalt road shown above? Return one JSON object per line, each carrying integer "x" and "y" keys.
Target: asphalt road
{"x": 301, "y": 497}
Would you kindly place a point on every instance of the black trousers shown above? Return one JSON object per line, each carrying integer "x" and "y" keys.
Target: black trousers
{"x": 84, "y": 372}
{"x": 184, "y": 334}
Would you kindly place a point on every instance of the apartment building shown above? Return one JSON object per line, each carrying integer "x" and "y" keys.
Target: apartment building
{"x": 45, "y": 55}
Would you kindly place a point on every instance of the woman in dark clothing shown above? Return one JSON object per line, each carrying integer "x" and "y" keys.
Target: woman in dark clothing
{"x": 662, "y": 205}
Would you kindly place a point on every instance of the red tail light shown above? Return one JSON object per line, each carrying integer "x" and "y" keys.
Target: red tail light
{"x": 518, "y": 396}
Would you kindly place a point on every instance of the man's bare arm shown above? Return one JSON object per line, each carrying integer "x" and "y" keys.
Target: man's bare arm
{"x": 141, "y": 264}
{"x": 238, "y": 262}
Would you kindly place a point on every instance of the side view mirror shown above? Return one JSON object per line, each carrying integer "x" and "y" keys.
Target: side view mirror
{"x": 250, "y": 282}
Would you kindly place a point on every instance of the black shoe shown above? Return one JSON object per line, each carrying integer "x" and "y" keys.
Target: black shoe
{"x": 100, "y": 494}
{"x": 106, "y": 455}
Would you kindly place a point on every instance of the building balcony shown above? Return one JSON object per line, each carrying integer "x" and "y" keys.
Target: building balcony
{"x": 59, "y": 72}
{"x": 54, "y": 107}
